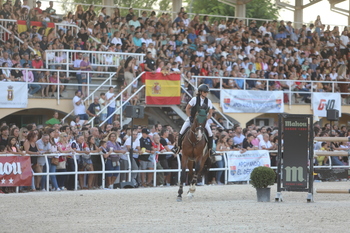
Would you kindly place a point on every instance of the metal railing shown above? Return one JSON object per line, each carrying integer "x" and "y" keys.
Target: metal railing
{"x": 291, "y": 83}
{"x": 129, "y": 171}
{"x": 120, "y": 95}
{"x": 96, "y": 58}
{"x": 89, "y": 85}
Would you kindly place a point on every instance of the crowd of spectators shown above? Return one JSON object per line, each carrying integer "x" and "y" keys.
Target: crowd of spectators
{"x": 260, "y": 51}
{"x": 150, "y": 144}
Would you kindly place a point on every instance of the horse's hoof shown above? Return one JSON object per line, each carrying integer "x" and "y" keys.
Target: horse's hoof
{"x": 179, "y": 199}
{"x": 190, "y": 195}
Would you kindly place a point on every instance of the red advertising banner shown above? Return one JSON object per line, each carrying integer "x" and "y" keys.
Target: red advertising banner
{"x": 15, "y": 171}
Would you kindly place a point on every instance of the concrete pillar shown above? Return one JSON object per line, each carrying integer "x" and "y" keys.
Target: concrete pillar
{"x": 109, "y": 5}
{"x": 240, "y": 9}
{"x": 177, "y": 4}
{"x": 298, "y": 13}
{"x": 31, "y": 3}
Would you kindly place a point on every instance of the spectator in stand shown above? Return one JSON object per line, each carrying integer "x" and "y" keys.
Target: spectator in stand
{"x": 55, "y": 80}
{"x": 93, "y": 109}
{"x": 29, "y": 77}
{"x": 54, "y": 120}
{"x": 147, "y": 162}
{"x": 85, "y": 76}
{"x": 112, "y": 163}
{"x": 4, "y": 131}
{"x": 135, "y": 145}
{"x": 63, "y": 146}
{"x": 77, "y": 122}
{"x": 79, "y": 107}
{"x": 110, "y": 95}
{"x": 150, "y": 64}
{"x": 31, "y": 148}
{"x": 265, "y": 144}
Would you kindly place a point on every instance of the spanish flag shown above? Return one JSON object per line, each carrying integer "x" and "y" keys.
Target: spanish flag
{"x": 22, "y": 26}
{"x": 162, "y": 89}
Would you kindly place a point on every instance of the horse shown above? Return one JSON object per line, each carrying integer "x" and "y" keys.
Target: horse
{"x": 194, "y": 149}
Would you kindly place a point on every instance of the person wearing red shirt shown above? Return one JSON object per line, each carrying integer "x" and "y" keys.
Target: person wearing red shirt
{"x": 37, "y": 63}
{"x": 40, "y": 11}
{"x": 158, "y": 147}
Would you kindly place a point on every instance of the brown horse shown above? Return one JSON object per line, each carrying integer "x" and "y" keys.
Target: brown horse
{"x": 194, "y": 149}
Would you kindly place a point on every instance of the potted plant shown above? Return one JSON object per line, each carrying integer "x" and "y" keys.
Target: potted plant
{"x": 261, "y": 178}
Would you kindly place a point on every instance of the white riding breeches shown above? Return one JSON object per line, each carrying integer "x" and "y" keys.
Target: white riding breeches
{"x": 188, "y": 124}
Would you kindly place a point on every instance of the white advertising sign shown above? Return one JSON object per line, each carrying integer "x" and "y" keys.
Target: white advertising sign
{"x": 13, "y": 95}
{"x": 252, "y": 101}
{"x": 242, "y": 164}
{"x": 322, "y": 101}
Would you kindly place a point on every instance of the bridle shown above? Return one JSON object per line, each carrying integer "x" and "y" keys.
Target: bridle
{"x": 195, "y": 132}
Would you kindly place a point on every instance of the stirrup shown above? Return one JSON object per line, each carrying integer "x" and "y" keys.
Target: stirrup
{"x": 175, "y": 150}
{"x": 212, "y": 153}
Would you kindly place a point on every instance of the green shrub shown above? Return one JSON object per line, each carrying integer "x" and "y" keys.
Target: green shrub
{"x": 261, "y": 177}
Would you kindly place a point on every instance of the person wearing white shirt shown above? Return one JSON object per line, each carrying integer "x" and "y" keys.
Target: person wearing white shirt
{"x": 79, "y": 107}
{"x": 239, "y": 137}
{"x": 265, "y": 144}
{"x": 116, "y": 39}
{"x": 344, "y": 41}
{"x": 76, "y": 66}
{"x": 111, "y": 105}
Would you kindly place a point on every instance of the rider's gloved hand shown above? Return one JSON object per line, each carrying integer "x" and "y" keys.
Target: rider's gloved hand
{"x": 191, "y": 119}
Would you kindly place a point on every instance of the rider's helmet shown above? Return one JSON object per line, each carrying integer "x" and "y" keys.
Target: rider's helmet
{"x": 203, "y": 88}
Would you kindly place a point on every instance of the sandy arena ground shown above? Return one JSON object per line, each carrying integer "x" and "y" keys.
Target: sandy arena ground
{"x": 230, "y": 208}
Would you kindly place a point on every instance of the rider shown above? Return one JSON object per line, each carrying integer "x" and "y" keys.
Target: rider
{"x": 192, "y": 107}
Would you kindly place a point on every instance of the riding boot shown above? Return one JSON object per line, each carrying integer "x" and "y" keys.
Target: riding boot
{"x": 210, "y": 146}
{"x": 177, "y": 148}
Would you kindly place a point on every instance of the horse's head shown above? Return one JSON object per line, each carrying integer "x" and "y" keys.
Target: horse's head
{"x": 200, "y": 120}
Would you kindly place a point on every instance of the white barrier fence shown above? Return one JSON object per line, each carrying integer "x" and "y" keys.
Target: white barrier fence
{"x": 129, "y": 171}
{"x": 96, "y": 58}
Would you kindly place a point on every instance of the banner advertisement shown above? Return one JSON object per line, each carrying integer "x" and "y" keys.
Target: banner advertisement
{"x": 15, "y": 171}
{"x": 13, "y": 95}
{"x": 241, "y": 101}
{"x": 295, "y": 152}
{"x": 242, "y": 164}
{"x": 162, "y": 89}
{"x": 321, "y": 102}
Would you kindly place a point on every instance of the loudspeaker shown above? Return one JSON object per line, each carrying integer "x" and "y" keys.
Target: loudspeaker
{"x": 134, "y": 111}
{"x": 332, "y": 115}
{"x": 124, "y": 185}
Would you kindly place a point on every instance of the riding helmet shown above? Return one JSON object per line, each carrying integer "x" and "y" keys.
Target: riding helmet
{"x": 203, "y": 87}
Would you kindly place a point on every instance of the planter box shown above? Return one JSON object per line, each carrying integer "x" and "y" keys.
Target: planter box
{"x": 263, "y": 194}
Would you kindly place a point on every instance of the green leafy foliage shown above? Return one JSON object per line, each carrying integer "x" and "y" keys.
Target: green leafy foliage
{"x": 144, "y": 4}
{"x": 262, "y": 177}
{"x": 263, "y": 9}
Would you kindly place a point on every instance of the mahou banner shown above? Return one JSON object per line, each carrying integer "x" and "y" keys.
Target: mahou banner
{"x": 162, "y": 89}
{"x": 15, "y": 171}
{"x": 321, "y": 102}
{"x": 13, "y": 95}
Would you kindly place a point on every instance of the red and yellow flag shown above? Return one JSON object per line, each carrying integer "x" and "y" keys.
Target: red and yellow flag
{"x": 162, "y": 89}
{"x": 22, "y": 26}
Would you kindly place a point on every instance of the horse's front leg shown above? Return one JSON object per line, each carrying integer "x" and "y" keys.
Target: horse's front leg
{"x": 182, "y": 178}
{"x": 193, "y": 180}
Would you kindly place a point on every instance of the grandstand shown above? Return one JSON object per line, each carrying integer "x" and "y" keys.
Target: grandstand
{"x": 255, "y": 69}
